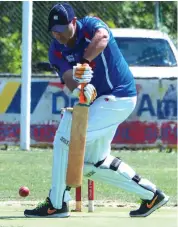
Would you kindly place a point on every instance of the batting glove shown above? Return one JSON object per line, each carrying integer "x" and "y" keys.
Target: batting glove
{"x": 82, "y": 73}
{"x": 89, "y": 93}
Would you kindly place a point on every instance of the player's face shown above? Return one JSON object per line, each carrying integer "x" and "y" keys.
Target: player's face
{"x": 64, "y": 37}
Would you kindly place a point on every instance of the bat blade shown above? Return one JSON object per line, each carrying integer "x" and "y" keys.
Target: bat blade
{"x": 77, "y": 146}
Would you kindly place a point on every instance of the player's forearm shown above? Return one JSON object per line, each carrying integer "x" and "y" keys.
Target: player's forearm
{"x": 97, "y": 45}
{"x": 68, "y": 80}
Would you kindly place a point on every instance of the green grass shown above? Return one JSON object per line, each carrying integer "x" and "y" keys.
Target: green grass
{"x": 33, "y": 169}
{"x": 102, "y": 217}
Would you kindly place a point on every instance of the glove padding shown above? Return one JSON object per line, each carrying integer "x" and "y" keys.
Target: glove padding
{"x": 89, "y": 93}
{"x": 82, "y": 73}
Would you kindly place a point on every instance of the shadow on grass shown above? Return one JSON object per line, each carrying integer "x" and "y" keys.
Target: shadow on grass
{"x": 71, "y": 217}
{"x": 11, "y": 217}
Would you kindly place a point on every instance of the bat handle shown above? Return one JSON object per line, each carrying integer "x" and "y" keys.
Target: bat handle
{"x": 82, "y": 98}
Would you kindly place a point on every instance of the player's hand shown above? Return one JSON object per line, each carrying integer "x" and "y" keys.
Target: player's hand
{"x": 82, "y": 73}
{"x": 89, "y": 93}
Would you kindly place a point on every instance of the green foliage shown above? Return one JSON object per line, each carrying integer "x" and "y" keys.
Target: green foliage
{"x": 110, "y": 24}
{"x": 168, "y": 19}
{"x": 40, "y": 52}
{"x": 136, "y": 14}
{"x": 10, "y": 55}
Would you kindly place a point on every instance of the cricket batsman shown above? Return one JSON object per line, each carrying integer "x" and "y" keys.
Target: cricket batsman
{"x": 85, "y": 52}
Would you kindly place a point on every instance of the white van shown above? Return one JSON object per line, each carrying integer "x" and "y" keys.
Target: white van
{"x": 149, "y": 53}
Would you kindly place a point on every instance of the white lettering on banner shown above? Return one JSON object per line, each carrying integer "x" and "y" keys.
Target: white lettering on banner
{"x": 155, "y": 115}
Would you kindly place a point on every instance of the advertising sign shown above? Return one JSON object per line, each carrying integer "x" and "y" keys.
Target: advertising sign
{"x": 153, "y": 122}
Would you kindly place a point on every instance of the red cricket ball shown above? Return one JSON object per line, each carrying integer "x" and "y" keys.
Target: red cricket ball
{"x": 24, "y": 191}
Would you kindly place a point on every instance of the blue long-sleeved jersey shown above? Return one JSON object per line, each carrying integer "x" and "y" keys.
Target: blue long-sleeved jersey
{"x": 111, "y": 72}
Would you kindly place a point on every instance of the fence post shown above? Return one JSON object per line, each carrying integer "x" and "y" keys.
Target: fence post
{"x": 157, "y": 21}
{"x": 26, "y": 75}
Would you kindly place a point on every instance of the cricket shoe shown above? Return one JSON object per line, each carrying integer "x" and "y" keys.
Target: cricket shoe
{"x": 46, "y": 210}
{"x": 149, "y": 206}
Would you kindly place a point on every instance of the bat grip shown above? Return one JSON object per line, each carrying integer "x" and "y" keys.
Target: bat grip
{"x": 82, "y": 98}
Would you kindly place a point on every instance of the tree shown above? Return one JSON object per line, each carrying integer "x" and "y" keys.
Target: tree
{"x": 136, "y": 14}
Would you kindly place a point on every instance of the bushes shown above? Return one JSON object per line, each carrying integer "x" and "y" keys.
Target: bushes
{"x": 116, "y": 14}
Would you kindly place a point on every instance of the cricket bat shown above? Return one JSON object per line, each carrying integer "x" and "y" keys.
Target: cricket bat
{"x": 77, "y": 143}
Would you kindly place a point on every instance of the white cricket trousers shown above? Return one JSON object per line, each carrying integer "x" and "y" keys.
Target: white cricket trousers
{"x": 105, "y": 114}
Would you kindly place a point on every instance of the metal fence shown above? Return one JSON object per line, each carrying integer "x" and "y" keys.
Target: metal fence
{"x": 150, "y": 15}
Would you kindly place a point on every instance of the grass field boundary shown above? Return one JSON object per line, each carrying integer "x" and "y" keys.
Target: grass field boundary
{"x": 97, "y": 203}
